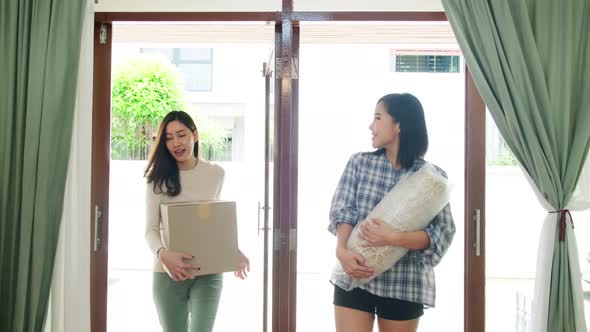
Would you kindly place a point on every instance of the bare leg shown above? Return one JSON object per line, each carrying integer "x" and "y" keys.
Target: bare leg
{"x": 351, "y": 320}
{"x": 386, "y": 325}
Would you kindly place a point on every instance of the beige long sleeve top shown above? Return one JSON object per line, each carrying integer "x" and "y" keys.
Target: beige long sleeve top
{"x": 203, "y": 182}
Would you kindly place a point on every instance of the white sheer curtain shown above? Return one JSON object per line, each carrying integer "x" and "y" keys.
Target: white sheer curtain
{"x": 69, "y": 306}
{"x": 580, "y": 201}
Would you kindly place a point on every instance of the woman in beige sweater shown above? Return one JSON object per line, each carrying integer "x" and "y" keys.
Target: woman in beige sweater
{"x": 176, "y": 174}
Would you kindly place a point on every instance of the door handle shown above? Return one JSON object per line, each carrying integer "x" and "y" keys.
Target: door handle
{"x": 477, "y": 244}
{"x": 261, "y": 208}
{"x": 97, "y": 222}
{"x": 258, "y": 226}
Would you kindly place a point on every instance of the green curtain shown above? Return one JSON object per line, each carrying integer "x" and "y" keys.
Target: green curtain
{"x": 39, "y": 55}
{"x": 530, "y": 60}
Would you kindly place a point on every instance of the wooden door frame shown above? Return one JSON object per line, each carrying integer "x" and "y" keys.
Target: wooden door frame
{"x": 475, "y": 181}
{"x": 286, "y": 156}
{"x": 101, "y": 131}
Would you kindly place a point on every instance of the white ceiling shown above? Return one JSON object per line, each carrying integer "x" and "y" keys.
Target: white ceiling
{"x": 264, "y": 5}
{"x": 368, "y": 5}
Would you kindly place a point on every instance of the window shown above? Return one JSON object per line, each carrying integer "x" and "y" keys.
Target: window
{"x": 497, "y": 151}
{"x": 222, "y": 153}
{"x": 425, "y": 61}
{"x": 195, "y": 65}
{"x": 221, "y": 137}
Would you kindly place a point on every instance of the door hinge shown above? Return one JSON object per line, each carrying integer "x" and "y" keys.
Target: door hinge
{"x": 294, "y": 68}
{"x": 279, "y": 73}
{"x": 276, "y": 240}
{"x": 292, "y": 239}
{"x": 280, "y": 240}
{"x": 102, "y": 38}
{"x": 278, "y": 68}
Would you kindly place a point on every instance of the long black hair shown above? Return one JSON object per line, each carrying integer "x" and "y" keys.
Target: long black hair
{"x": 162, "y": 169}
{"x": 407, "y": 110}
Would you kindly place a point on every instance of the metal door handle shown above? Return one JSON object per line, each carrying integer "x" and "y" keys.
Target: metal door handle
{"x": 258, "y": 226}
{"x": 261, "y": 208}
{"x": 97, "y": 221}
{"x": 477, "y": 244}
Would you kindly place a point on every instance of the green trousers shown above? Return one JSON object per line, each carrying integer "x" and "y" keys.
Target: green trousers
{"x": 189, "y": 305}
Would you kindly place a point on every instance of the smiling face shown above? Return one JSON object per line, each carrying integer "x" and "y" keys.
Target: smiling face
{"x": 385, "y": 131}
{"x": 180, "y": 142}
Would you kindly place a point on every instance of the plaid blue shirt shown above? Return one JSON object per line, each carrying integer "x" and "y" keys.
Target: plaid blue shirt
{"x": 367, "y": 178}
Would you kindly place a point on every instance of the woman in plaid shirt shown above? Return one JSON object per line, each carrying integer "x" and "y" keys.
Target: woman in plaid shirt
{"x": 398, "y": 295}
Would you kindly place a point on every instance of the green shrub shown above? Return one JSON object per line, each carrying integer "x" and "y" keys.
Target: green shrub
{"x": 145, "y": 89}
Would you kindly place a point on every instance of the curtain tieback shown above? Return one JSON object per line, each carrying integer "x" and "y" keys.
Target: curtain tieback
{"x": 562, "y": 219}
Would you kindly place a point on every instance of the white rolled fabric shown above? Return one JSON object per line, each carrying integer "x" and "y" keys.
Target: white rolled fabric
{"x": 409, "y": 206}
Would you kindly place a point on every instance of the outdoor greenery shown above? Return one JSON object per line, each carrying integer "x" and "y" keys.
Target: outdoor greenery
{"x": 213, "y": 138}
{"x": 506, "y": 158}
{"x": 144, "y": 90}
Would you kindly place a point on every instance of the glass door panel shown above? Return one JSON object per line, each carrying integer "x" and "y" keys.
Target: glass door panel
{"x": 513, "y": 227}
{"x": 344, "y": 69}
{"x": 225, "y": 92}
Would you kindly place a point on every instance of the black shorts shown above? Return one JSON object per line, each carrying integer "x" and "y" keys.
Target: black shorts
{"x": 383, "y": 307}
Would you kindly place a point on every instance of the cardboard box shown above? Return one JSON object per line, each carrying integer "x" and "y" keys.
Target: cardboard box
{"x": 205, "y": 229}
